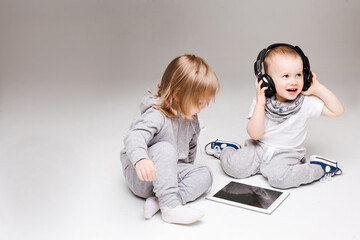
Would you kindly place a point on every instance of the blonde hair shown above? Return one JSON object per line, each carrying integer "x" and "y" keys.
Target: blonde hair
{"x": 186, "y": 80}
{"x": 280, "y": 50}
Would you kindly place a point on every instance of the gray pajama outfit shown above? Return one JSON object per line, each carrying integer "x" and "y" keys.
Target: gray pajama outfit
{"x": 285, "y": 169}
{"x": 280, "y": 154}
{"x": 171, "y": 144}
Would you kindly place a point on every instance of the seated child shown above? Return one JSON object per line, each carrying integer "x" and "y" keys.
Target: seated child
{"x": 287, "y": 94}
{"x": 160, "y": 148}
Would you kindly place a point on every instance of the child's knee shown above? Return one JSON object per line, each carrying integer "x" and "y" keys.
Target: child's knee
{"x": 201, "y": 179}
{"x": 235, "y": 167}
{"x": 195, "y": 184}
{"x": 282, "y": 179}
{"x": 236, "y": 173}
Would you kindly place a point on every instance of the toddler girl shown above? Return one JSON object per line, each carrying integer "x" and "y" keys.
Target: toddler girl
{"x": 160, "y": 148}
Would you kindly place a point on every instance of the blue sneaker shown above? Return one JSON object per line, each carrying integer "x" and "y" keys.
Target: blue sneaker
{"x": 330, "y": 167}
{"x": 214, "y": 148}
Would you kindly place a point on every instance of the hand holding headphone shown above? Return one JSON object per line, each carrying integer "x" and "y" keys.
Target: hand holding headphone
{"x": 268, "y": 82}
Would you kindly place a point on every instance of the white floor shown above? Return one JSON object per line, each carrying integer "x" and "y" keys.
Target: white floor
{"x": 61, "y": 179}
{"x": 72, "y": 74}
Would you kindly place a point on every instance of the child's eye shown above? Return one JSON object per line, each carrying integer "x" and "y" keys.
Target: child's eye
{"x": 298, "y": 75}
{"x": 285, "y": 76}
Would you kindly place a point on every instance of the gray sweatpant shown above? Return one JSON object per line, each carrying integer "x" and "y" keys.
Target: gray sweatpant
{"x": 282, "y": 168}
{"x": 175, "y": 182}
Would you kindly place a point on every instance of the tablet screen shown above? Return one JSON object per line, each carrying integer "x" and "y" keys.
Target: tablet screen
{"x": 249, "y": 196}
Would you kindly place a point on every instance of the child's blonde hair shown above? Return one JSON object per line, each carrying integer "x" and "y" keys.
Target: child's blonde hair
{"x": 186, "y": 80}
{"x": 280, "y": 50}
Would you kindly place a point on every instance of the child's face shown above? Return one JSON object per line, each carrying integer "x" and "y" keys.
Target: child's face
{"x": 195, "y": 109}
{"x": 287, "y": 73}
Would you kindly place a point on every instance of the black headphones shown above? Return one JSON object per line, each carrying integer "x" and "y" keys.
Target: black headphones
{"x": 267, "y": 81}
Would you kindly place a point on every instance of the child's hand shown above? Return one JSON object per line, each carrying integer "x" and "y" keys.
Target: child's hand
{"x": 313, "y": 87}
{"x": 145, "y": 169}
{"x": 260, "y": 93}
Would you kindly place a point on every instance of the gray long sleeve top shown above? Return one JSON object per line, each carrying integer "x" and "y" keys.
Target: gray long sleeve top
{"x": 152, "y": 127}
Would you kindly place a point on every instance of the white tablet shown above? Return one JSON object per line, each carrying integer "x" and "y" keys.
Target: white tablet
{"x": 250, "y": 197}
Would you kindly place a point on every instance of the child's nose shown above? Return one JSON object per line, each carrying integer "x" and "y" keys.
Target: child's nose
{"x": 293, "y": 81}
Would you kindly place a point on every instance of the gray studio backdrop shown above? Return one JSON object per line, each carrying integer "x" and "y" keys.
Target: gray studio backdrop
{"x": 72, "y": 74}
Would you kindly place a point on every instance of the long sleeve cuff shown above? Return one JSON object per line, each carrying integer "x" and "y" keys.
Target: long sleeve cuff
{"x": 136, "y": 155}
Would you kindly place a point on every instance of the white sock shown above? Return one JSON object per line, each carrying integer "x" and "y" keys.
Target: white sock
{"x": 181, "y": 215}
{"x": 151, "y": 207}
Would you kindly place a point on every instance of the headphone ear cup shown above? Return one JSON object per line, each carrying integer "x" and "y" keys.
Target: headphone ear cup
{"x": 268, "y": 82}
{"x": 307, "y": 79}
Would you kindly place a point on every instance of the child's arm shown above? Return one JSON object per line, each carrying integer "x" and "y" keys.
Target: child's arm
{"x": 332, "y": 105}
{"x": 136, "y": 143}
{"x": 256, "y": 126}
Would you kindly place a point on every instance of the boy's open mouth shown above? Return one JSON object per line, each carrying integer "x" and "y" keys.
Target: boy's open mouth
{"x": 291, "y": 90}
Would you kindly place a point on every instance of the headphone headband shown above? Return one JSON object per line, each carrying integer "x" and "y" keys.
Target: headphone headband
{"x": 261, "y": 57}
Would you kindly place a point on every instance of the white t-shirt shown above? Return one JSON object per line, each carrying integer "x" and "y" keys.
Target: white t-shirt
{"x": 291, "y": 133}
